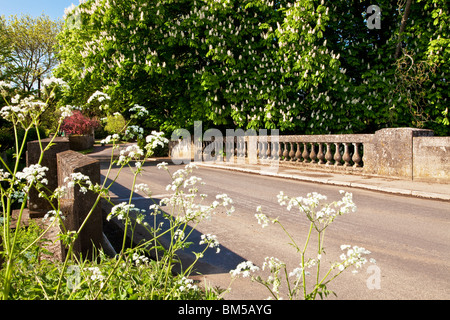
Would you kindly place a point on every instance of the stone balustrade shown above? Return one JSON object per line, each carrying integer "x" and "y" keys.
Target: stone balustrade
{"x": 338, "y": 151}
{"x": 393, "y": 152}
{"x": 319, "y": 150}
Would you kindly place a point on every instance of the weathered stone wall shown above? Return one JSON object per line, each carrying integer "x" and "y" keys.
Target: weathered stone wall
{"x": 61, "y": 162}
{"x": 39, "y": 206}
{"x": 76, "y": 205}
{"x": 431, "y": 159}
{"x": 390, "y": 153}
{"x": 399, "y": 153}
{"x": 81, "y": 142}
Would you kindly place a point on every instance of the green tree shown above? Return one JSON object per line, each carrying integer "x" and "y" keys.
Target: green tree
{"x": 4, "y": 48}
{"x": 31, "y": 49}
{"x": 301, "y": 66}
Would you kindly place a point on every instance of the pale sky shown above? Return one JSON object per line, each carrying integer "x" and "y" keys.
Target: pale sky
{"x": 52, "y": 8}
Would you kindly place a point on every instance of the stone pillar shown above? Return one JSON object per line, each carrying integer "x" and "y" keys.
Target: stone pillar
{"x": 75, "y": 205}
{"x": 79, "y": 142}
{"x": 432, "y": 159}
{"x": 37, "y": 206}
{"x": 390, "y": 152}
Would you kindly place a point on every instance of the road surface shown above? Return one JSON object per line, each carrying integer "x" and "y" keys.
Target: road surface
{"x": 408, "y": 237}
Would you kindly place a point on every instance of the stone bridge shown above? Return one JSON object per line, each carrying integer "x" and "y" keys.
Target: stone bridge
{"x": 403, "y": 153}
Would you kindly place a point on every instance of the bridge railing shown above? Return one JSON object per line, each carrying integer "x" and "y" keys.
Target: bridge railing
{"x": 388, "y": 152}
{"x": 328, "y": 152}
{"x": 318, "y": 150}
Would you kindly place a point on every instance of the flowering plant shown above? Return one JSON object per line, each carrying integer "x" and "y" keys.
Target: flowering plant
{"x": 130, "y": 274}
{"x": 77, "y": 123}
{"x": 320, "y": 215}
{"x": 105, "y": 277}
{"x": 22, "y": 113}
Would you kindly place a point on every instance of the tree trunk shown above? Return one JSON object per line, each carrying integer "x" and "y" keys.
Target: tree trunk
{"x": 402, "y": 27}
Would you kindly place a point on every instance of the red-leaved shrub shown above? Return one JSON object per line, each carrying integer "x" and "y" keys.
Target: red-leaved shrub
{"x": 77, "y": 123}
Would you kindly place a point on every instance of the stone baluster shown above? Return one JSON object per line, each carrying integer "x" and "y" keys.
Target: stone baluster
{"x": 203, "y": 149}
{"x": 337, "y": 155}
{"x": 320, "y": 154}
{"x": 313, "y": 155}
{"x": 246, "y": 149}
{"x": 264, "y": 150}
{"x": 269, "y": 150}
{"x": 285, "y": 152}
{"x": 346, "y": 157}
{"x": 298, "y": 154}
{"x": 280, "y": 150}
{"x": 225, "y": 149}
{"x": 291, "y": 152}
{"x": 200, "y": 148}
{"x": 274, "y": 146}
{"x": 208, "y": 145}
{"x": 214, "y": 151}
{"x": 329, "y": 155}
{"x": 219, "y": 150}
{"x": 232, "y": 149}
{"x": 238, "y": 148}
{"x": 258, "y": 149}
{"x": 356, "y": 156}
{"x": 305, "y": 153}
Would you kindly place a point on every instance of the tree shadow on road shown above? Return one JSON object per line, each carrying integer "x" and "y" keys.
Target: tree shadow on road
{"x": 210, "y": 263}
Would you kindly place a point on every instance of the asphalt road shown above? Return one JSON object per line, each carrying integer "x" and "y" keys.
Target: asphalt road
{"x": 408, "y": 237}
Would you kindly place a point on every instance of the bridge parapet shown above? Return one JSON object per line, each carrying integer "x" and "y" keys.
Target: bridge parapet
{"x": 397, "y": 153}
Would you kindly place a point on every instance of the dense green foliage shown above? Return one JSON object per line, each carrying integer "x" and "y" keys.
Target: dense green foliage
{"x": 301, "y": 66}
{"x": 115, "y": 123}
{"x": 27, "y": 56}
{"x": 28, "y": 47}
{"x": 37, "y": 276}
